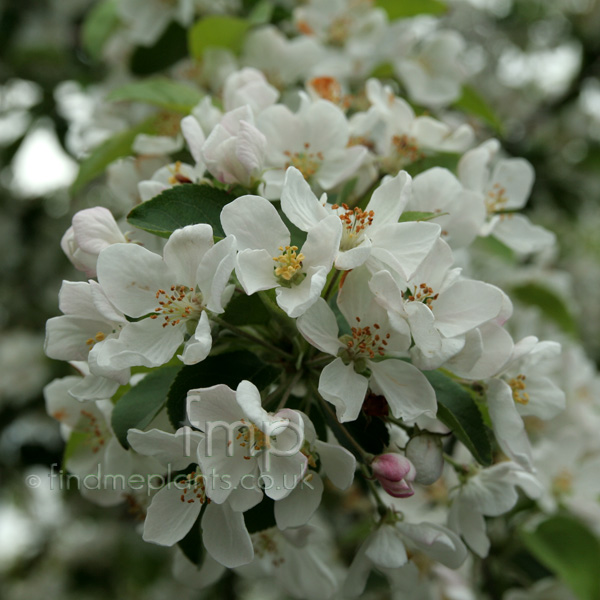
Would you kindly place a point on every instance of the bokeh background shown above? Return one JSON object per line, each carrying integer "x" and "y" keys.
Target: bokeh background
{"x": 536, "y": 62}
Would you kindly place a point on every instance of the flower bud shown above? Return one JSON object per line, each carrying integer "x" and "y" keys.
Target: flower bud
{"x": 425, "y": 453}
{"x": 395, "y": 474}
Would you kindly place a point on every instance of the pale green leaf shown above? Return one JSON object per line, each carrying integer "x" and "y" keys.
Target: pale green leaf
{"x": 217, "y": 32}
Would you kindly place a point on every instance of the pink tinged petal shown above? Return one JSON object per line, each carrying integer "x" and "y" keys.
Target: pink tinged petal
{"x": 299, "y": 506}
{"x": 546, "y": 400}
{"x": 337, "y": 463}
{"x": 225, "y": 536}
{"x": 131, "y": 275}
{"x": 169, "y": 519}
{"x": 95, "y": 229}
{"x": 436, "y": 541}
{"x": 389, "y": 200}
{"x": 391, "y": 466}
{"x": 465, "y": 305}
{"x": 402, "y": 247}
{"x": 344, "y": 388}
{"x": 295, "y": 301}
{"x": 465, "y": 520}
{"x": 319, "y": 327}
{"x": 143, "y": 343}
{"x": 322, "y": 243}
{"x": 405, "y": 388}
{"x": 177, "y": 450}
{"x": 515, "y": 177}
{"x": 347, "y": 260}
{"x": 268, "y": 231}
{"x": 214, "y": 272}
{"x": 385, "y": 548}
{"x": 67, "y": 336}
{"x": 299, "y": 203}
{"x": 518, "y": 233}
{"x": 251, "y": 147}
{"x": 185, "y": 250}
{"x": 194, "y": 136}
{"x": 340, "y": 165}
{"x": 197, "y": 348}
{"x": 256, "y": 270}
{"x": 507, "y": 424}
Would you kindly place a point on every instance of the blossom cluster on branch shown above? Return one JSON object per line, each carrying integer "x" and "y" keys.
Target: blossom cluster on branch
{"x": 289, "y": 313}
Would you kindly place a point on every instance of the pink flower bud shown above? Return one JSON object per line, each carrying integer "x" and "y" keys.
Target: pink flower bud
{"x": 395, "y": 474}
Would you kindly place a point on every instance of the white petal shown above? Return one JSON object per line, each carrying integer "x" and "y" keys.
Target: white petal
{"x": 385, "y": 548}
{"x": 405, "y": 388}
{"x": 515, "y": 177}
{"x": 225, "y": 536}
{"x": 319, "y": 327}
{"x": 197, "y": 348}
{"x": 389, "y": 200}
{"x": 518, "y": 233}
{"x": 184, "y": 252}
{"x": 213, "y": 404}
{"x": 250, "y": 147}
{"x": 177, "y": 450}
{"x": 344, "y": 388}
{"x": 256, "y": 270}
{"x": 214, "y": 272}
{"x": 295, "y": 301}
{"x": 465, "y": 520}
{"x": 337, "y": 463}
{"x": 194, "y": 136}
{"x": 299, "y": 203}
{"x": 322, "y": 243}
{"x": 95, "y": 229}
{"x": 347, "y": 260}
{"x": 299, "y": 506}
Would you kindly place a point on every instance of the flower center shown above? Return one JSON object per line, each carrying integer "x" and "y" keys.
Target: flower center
{"x": 289, "y": 265}
{"x": 177, "y": 176}
{"x": 328, "y": 88}
{"x": 496, "y": 199}
{"x": 179, "y": 303}
{"x": 91, "y": 342}
{"x": 266, "y": 545}
{"x": 339, "y": 30}
{"x": 355, "y": 221}
{"x": 518, "y": 386}
{"x": 421, "y": 293}
{"x": 366, "y": 342}
{"x": 563, "y": 482}
{"x": 306, "y": 162}
{"x": 252, "y": 439}
{"x": 196, "y": 487}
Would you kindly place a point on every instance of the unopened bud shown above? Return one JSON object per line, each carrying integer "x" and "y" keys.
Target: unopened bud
{"x": 425, "y": 453}
{"x": 395, "y": 473}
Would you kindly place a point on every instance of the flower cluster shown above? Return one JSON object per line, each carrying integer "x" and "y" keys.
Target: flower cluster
{"x": 307, "y": 319}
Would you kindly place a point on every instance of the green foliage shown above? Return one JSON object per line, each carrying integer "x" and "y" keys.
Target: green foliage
{"x": 169, "y": 48}
{"x": 570, "y": 550}
{"x": 473, "y": 104}
{"x": 228, "y": 369}
{"x": 116, "y": 147}
{"x": 158, "y": 91}
{"x": 458, "y": 411}
{"x": 246, "y": 310}
{"x": 551, "y": 305}
{"x": 217, "y": 32}
{"x": 399, "y": 9}
{"x": 181, "y": 205}
{"x": 410, "y": 215}
{"x": 261, "y": 516}
{"x": 261, "y": 13}
{"x": 99, "y": 24}
{"x": 76, "y": 439}
{"x": 137, "y": 407}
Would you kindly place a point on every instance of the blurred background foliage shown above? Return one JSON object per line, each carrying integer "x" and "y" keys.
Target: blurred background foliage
{"x": 537, "y": 63}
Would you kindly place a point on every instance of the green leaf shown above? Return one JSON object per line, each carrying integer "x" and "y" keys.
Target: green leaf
{"x": 100, "y": 22}
{"x": 181, "y": 205}
{"x": 551, "y": 305}
{"x": 116, "y": 147}
{"x": 447, "y": 160}
{"x": 410, "y": 215}
{"x": 458, "y": 411}
{"x": 158, "y": 91}
{"x": 495, "y": 246}
{"x": 76, "y": 439}
{"x": 261, "y": 516}
{"x": 397, "y": 9}
{"x": 473, "y": 104}
{"x": 383, "y": 71}
{"x": 261, "y": 13}
{"x": 168, "y": 49}
{"x": 217, "y": 32}
{"x": 228, "y": 369}
{"x": 142, "y": 402}
{"x": 570, "y": 550}
{"x": 246, "y": 310}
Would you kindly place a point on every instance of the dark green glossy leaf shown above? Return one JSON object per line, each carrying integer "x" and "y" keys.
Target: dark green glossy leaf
{"x": 570, "y": 550}
{"x": 246, "y": 310}
{"x": 181, "y": 205}
{"x": 458, "y": 411}
{"x": 137, "y": 407}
